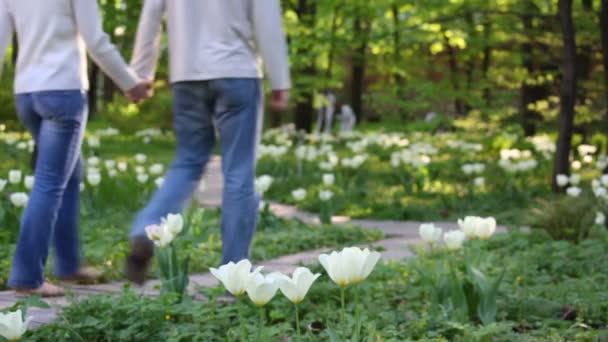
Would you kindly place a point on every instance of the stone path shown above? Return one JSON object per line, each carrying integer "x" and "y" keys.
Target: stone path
{"x": 398, "y": 236}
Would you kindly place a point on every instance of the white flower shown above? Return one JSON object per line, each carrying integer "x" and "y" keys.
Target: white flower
{"x": 28, "y": 181}
{"x": 299, "y": 194}
{"x": 429, "y": 233}
{"x": 19, "y": 199}
{"x": 93, "y": 141}
{"x": 140, "y": 169}
{"x": 2, "y": 184}
{"x": 122, "y": 166}
{"x": 573, "y": 191}
{"x": 263, "y": 183}
{"x": 469, "y": 225}
{"x": 576, "y": 165}
{"x": 349, "y": 266}
{"x": 12, "y": 325}
{"x": 140, "y": 158}
{"x": 159, "y": 181}
{"x": 81, "y": 187}
{"x": 600, "y": 218}
{"x": 296, "y": 287}
{"x": 604, "y": 180}
{"x": 159, "y": 235}
{"x": 485, "y": 228}
{"x": 93, "y": 161}
{"x": 156, "y": 169}
{"x": 93, "y": 178}
{"x": 112, "y": 173}
{"x": 262, "y": 289}
{"x": 110, "y": 164}
{"x": 235, "y": 277}
{"x": 329, "y": 179}
{"x": 479, "y": 182}
{"x": 562, "y": 180}
{"x": 174, "y": 223}
{"x": 600, "y": 192}
{"x": 22, "y": 145}
{"x": 325, "y": 195}
{"x": 142, "y": 178}
{"x": 14, "y": 176}
{"x": 575, "y": 179}
{"x": 454, "y": 239}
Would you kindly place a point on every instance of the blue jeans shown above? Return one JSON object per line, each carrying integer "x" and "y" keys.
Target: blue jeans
{"x": 232, "y": 106}
{"x": 57, "y": 121}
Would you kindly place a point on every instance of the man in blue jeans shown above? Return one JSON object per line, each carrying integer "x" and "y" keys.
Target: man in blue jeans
{"x": 214, "y": 48}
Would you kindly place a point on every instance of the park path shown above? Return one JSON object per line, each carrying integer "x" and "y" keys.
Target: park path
{"x": 398, "y": 236}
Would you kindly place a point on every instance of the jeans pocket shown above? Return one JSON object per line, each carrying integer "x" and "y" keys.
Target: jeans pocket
{"x": 63, "y": 104}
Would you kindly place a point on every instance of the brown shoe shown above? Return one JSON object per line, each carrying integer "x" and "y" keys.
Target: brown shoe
{"x": 138, "y": 260}
{"x": 47, "y": 290}
{"x": 84, "y": 276}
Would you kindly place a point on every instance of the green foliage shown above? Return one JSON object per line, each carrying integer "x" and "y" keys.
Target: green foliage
{"x": 565, "y": 218}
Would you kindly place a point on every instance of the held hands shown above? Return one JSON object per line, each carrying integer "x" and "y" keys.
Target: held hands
{"x": 142, "y": 91}
{"x": 279, "y": 100}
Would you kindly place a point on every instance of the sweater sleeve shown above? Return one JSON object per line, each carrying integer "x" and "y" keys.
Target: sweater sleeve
{"x": 6, "y": 29}
{"x": 101, "y": 49}
{"x": 270, "y": 41}
{"x": 147, "y": 43}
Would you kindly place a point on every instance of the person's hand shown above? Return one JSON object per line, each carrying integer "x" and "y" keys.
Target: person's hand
{"x": 140, "y": 92}
{"x": 279, "y": 100}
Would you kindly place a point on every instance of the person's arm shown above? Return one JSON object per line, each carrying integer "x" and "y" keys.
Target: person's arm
{"x": 147, "y": 43}
{"x": 6, "y": 30}
{"x": 271, "y": 43}
{"x": 99, "y": 46}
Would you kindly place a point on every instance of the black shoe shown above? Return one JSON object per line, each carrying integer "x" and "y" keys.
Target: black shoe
{"x": 138, "y": 260}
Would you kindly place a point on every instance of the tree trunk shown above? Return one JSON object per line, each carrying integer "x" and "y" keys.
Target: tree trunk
{"x": 15, "y": 53}
{"x": 485, "y": 65}
{"x": 568, "y": 91}
{"x": 604, "y": 33}
{"x": 360, "y": 31}
{"x": 93, "y": 81}
{"x": 304, "y": 110}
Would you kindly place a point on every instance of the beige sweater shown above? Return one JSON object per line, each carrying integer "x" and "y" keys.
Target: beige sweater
{"x": 211, "y": 39}
{"x": 53, "y": 37}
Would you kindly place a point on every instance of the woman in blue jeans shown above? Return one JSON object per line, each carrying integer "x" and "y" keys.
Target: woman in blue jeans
{"x": 50, "y": 86}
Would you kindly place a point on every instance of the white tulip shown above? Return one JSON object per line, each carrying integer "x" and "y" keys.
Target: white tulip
{"x": 479, "y": 182}
{"x": 122, "y": 166}
{"x": 469, "y": 225}
{"x": 600, "y": 218}
{"x": 28, "y": 181}
{"x": 159, "y": 234}
{"x": 574, "y": 191}
{"x": 349, "y": 266}
{"x": 299, "y": 194}
{"x": 429, "y": 233}
{"x": 576, "y": 165}
{"x": 262, "y": 289}
{"x": 112, "y": 173}
{"x": 110, "y": 164}
{"x": 22, "y": 145}
{"x": 93, "y": 141}
{"x": 604, "y": 180}
{"x": 159, "y": 181}
{"x": 329, "y": 179}
{"x": 575, "y": 179}
{"x": 562, "y": 180}
{"x": 82, "y": 187}
{"x": 140, "y": 169}
{"x": 174, "y": 223}
{"x": 235, "y": 277}
{"x": 19, "y": 199}
{"x": 485, "y": 228}
{"x": 14, "y": 176}
{"x": 93, "y": 161}
{"x": 325, "y": 195}
{"x": 263, "y": 183}
{"x": 142, "y": 178}
{"x": 140, "y": 158}
{"x": 2, "y": 184}
{"x": 296, "y": 287}
{"x": 600, "y": 192}
{"x": 12, "y": 325}
{"x": 454, "y": 239}
{"x": 93, "y": 178}
{"x": 156, "y": 169}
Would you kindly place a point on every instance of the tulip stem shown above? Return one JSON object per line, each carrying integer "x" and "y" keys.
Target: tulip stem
{"x": 241, "y": 306}
{"x": 342, "y": 290}
{"x": 357, "y": 315}
{"x": 261, "y": 326}
{"x": 298, "y": 322}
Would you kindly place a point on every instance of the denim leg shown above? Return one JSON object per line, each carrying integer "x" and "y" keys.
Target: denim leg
{"x": 63, "y": 119}
{"x": 236, "y": 110}
{"x": 195, "y": 137}
{"x": 66, "y": 238}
